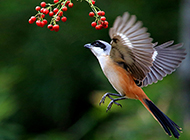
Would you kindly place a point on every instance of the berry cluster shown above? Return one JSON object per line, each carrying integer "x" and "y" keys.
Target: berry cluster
{"x": 100, "y": 21}
{"x": 56, "y": 11}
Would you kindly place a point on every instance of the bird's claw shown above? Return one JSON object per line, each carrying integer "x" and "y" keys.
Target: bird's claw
{"x": 111, "y": 103}
{"x": 103, "y": 98}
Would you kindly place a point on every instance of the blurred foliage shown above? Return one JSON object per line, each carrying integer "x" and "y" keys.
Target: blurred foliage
{"x": 50, "y": 85}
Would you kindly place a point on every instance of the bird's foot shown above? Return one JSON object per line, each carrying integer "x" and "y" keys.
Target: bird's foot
{"x": 113, "y": 101}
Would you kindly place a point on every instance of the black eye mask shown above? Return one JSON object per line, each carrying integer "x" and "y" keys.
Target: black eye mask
{"x": 98, "y": 44}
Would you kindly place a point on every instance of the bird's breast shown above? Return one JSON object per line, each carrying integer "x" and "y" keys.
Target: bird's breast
{"x": 120, "y": 79}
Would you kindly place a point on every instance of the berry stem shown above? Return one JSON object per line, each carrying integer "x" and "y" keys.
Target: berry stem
{"x": 95, "y": 9}
{"x": 53, "y": 20}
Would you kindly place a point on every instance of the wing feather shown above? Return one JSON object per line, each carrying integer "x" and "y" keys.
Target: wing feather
{"x": 133, "y": 48}
{"x": 132, "y": 43}
{"x": 129, "y": 23}
{"x": 117, "y": 22}
{"x": 139, "y": 37}
{"x": 167, "y": 60}
{"x": 137, "y": 32}
{"x": 146, "y": 41}
{"x": 134, "y": 28}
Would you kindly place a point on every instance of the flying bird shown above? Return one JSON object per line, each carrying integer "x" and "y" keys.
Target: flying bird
{"x": 131, "y": 61}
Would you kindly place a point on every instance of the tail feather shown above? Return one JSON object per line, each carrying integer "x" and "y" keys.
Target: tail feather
{"x": 168, "y": 125}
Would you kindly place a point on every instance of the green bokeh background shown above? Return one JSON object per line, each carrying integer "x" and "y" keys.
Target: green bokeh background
{"x": 50, "y": 85}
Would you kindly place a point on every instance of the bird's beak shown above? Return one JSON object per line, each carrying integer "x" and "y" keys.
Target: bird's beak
{"x": 87, "y": 46}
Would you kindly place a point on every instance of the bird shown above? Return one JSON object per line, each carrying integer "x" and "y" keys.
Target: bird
{"x": 132, "y": 61}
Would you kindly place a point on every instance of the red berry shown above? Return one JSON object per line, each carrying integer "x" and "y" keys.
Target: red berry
{"x": 60, "y": 13}
{"x": 93, "y": 2}
{"x": 100, "y": 22}
{"x": 55, "y": 10}
{"x": 67, "y": 3}
{"x": 43, "y": 4}
{"x": 97, "y": 27}
{"x": 33, "y": 18}
{"x": 64, "y": 19}
{"x": 58, "y": 18}
{"x": 105, "y": 23}
{"x": 30, "y": 21}
{"x": 93, "y": 24}
{"x": 38, "y": 23}
{"x": 43, "y": 16}
{"x": 70, "y": 5}
{"x": 64, "y": 8}
{"x": 42, "y": 10}
{"x": 50, "y": 26}
{"x": 102, "y": 13}
{"x": 105, "y": 26}
{"x": 45, "y": 21}
{"x": 38, "y": 8}
{"x": 42, "y": 24}
{"x": 103, "y": 18}
{"x": 46, "y": 11}
{"x": 99, "y": 13}
{"x": 56, "y": 1}
{"x": 56, "y": 27}
{"x": 91, "y": 14}
{"x": 101, "y": 26}
{"x": 51, "y": 14}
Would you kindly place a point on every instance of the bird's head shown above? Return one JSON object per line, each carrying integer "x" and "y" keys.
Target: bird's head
{"x": 99, "y": 48}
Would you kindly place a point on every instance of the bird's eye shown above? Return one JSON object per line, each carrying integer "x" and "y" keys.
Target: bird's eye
{"x": 95, "y": 44}
{"x": 98, "y": 44}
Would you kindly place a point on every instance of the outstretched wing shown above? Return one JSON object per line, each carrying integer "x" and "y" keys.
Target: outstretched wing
{"x": 132, "y": 47}
{"x": 166, "y": 59}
